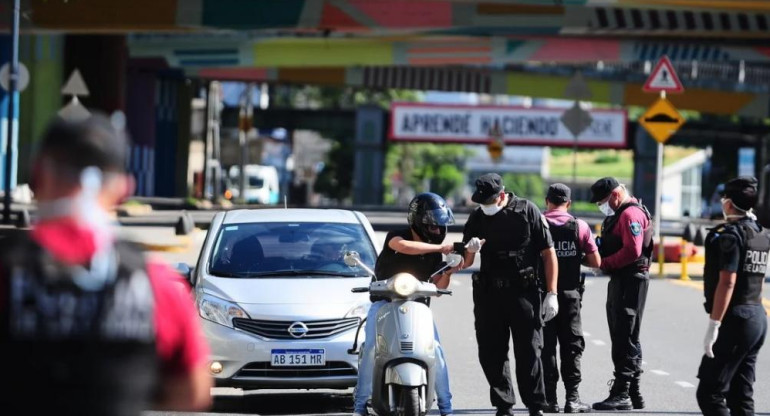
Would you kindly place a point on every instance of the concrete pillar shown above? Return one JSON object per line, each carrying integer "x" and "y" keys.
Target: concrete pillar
{"x": 645, "y": 166}
{"x": 370, "y": 156}
{"x": 5, "y": 58}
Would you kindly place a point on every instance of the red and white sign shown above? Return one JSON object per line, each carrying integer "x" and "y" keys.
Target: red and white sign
{"x": 418, "y": 122}
{"x": 663, "y": 78}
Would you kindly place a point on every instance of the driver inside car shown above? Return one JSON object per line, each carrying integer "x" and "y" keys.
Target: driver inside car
{"x": 416, "y": 250}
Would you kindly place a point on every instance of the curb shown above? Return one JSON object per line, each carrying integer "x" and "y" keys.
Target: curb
{"x": 183, "y": 244}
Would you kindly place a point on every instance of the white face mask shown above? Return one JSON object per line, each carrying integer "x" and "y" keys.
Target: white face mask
{"x": 84, "y": 206}
{"x": 729, "y": 217}
{"x": 606, "y": 210}
{"x": 491, "y": 209}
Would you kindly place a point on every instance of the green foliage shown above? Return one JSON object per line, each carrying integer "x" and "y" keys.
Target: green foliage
{"x": 308, "y": 96}
{"x": 526, "y": 185}
{"x": 607, "y": 157}
{"x": 425, "y": 167}
{"x": 335, "y": 181}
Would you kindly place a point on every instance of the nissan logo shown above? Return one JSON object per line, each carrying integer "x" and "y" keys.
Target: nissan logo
{"x": 298, "y": 329}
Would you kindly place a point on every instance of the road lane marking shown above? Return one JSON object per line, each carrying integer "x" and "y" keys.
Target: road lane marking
{"x": 586, "y": 334}
{"x": 598, "y": 342}
{"x": 659, "y": 372}
{"x": 685, "y": 384}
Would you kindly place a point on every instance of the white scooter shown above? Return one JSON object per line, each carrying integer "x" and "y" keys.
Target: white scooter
{"x": 405, "y": 350}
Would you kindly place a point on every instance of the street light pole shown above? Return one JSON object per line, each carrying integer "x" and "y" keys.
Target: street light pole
{"x": 12, "y": 89}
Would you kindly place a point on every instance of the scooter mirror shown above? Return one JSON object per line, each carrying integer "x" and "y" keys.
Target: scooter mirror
{"x": 352, "y": 258}
{"x": 453, "y": 259}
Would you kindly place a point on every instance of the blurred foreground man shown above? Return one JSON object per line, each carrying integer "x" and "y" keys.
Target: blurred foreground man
{"x": 626, "y": 250}
{"x": 89, "y": 325}
{"x": 512, "y": 236}
{"x": 574, "y": 245}
{"x": 736, "y": 263}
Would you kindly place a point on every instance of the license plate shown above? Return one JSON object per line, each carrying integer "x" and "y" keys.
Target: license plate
{"x": 298, "y": 358}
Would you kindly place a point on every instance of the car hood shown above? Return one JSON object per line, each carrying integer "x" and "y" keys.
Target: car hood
{"x": 294, "y": 291}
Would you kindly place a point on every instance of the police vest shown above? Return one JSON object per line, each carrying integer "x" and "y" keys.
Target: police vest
{"x": 566, "y": 242}
{"x": 89, "y": 351}
{"x": 612, "y": 243}
{"x": 754, "y": 247}
{"x": 507, "y": 250}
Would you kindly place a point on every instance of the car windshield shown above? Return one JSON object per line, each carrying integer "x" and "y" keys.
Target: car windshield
{"x": 301, "y": 249}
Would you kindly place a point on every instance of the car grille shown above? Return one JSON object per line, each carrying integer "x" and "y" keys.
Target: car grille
{"x": 280, "y": 329}
{"x": 263, "y": 369}
{"x": 407, "y": 346}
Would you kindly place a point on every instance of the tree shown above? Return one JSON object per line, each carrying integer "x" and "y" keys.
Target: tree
{"x": 335, "y": 181}
{"x": 423, "y": 167}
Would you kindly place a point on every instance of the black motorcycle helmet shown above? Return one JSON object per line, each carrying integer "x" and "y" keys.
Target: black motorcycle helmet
{"x": 429, "y": 216}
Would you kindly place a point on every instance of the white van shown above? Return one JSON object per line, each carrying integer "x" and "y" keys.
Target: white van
{"x": 261, "y": 184}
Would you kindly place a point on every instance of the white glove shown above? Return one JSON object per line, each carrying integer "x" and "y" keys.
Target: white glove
{"x": 712, "y": 332}
{"x": 550, "y": 306}
{"x": 474, "y": 245}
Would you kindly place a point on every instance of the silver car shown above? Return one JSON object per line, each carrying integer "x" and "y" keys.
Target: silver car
{"x": 274, "y": 296}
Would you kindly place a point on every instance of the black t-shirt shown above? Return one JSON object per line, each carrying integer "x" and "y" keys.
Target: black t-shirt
{"x": 391, "y": 262}
{"x": 518, "y": 226}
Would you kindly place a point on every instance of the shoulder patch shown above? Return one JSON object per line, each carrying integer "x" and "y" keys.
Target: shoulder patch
{"x": 545, "y": 222}
{"x": 636, "y": 228}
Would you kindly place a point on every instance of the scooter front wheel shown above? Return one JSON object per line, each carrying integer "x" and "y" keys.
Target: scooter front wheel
{"x": 408, "y": 401}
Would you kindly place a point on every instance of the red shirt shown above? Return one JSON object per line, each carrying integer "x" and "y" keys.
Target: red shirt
{"x": 179, "y": 338}
{"x": 630, "y": 228}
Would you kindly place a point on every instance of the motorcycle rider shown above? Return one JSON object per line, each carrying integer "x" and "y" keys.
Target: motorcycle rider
{"x": 416, "y": 250}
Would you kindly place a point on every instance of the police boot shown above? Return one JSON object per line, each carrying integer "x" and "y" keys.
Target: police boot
{"x": 633, "y": 391}
{"x": 551, "y": 403}
{"x": 618, "y": 399}
{"x": 573, "y": 403}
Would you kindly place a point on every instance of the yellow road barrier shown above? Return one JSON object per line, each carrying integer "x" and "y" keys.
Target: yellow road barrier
{"x": 683, "y": 257}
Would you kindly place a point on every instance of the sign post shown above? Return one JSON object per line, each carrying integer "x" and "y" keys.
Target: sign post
{"x": 576, "y": 120}
{"x": 12, "y": 116}
{"x": 661, "y": 120}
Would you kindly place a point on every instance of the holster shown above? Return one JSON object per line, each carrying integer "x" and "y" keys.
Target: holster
{"x": 525, "y": 279}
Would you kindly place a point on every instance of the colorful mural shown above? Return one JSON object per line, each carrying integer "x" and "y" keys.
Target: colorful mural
{"x": 709, "y": 18}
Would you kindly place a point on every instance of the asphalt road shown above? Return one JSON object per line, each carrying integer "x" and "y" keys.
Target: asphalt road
{"x": 672, "y": 333}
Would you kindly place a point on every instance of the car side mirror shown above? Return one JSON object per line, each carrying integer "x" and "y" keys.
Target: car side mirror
{"x": 185, "y": 270}
{"x": 352, "y": 258}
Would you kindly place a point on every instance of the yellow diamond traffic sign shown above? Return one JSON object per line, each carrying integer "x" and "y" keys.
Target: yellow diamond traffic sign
{"x": 661, "y": 120}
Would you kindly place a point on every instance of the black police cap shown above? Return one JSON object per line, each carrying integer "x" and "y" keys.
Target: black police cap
{"x": 558, "y": 193}
{"x": 603, "y": 188}
{"x": 488, "y": 186}
{"x": 742, "y": 191}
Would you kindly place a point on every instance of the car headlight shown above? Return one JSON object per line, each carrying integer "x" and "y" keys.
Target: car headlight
{"x": 359, "y": 311}
{"x": 404, "y": 284}
{"x": 219, "y": 310}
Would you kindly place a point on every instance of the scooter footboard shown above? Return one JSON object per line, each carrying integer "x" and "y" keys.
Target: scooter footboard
{"x": 406, "y": 374}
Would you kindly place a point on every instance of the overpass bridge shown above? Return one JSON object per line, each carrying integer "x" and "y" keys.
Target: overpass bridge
{"x": 148, "y": 58}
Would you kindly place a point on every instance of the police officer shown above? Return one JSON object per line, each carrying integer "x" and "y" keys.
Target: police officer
{"x": 736, "y": 263}
{"x": 574, "y": 244}
{"x": 85, "y": 319}
{"x": 511, "y": 235}
{"x": 626, "y": 249}
{"x": 416, "y": 250}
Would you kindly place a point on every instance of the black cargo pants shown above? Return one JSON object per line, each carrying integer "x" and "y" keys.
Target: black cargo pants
{"x": 626, "y": 298}
{"x": 501, "y": 313}
{"x": 727, "y": 381}
{"x": 565, "y": 330}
